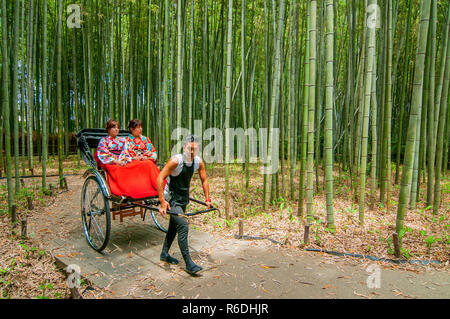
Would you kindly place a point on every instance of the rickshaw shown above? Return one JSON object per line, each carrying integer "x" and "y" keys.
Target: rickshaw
{"x": 98, "y": 204}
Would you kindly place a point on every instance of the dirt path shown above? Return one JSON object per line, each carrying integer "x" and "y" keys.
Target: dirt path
{"x": 130, "y": 266}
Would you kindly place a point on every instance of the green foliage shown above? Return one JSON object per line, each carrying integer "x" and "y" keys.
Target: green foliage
{"x": 446, "y": 188}
{"x": 389, "y": 242}
{"x": 431, "y": 240}
{"x": 24, "y": 193}
{"x": 218, "y": 224}
{"x": 5, "y": 283}
{"x": 4, "y": 270}
{"x": 230, "y": 223}
{"x": 45, "y": 192}
{"x": 267, "y": 217}
{"x": 28, "y": 250}
{"x": 422, "y": 212}
{"x": 44, "y": 287}
{"x": 404, "y": 231}
{"x": 406, "y": 253}
{"x": 352, "y": 209}
{"x": 318, "y": 240}
{"x": 292, "y": 218}
{"x": 58, "y": 295}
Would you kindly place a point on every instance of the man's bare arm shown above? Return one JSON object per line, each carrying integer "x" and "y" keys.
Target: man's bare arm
{"x": 204, "y": 179}
{"x": 166, "y": 171}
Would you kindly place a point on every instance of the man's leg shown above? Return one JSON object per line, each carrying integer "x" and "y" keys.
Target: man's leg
{"x": 170, "y": 236}
{"x": 183, "y": 231}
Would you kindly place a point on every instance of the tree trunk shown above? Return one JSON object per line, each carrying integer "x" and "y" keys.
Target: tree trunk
{"x": 30, "y": 91}
{"x": 14, "y": 100}
{"x": 311, "y": 110}
{"x": 367, "y": 104}
{"x": 431, "y": 108}
{"x": 59, "y": 94}
{"x": 305, "y": 116}
{"x": 443, "y": 113}
{"x": 328, "y": 130}
{"x": 44, "y": 99}
{"x": 416, "y": 106}
{"x": 180, "y": 33}
{"x": 5, "y": 105}
{"x": 228, "y": 108}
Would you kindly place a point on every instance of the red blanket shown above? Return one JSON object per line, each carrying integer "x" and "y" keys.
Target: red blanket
{"x": 135, "y": 180}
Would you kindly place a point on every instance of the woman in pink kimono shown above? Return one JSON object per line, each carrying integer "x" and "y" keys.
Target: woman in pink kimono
{"x": 110, "y": 148}
{"x": 137, "y": 146}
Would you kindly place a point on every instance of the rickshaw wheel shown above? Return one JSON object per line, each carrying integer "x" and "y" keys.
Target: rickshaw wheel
{"x": 162, "y": 223}
{"x": 95, "y": 214}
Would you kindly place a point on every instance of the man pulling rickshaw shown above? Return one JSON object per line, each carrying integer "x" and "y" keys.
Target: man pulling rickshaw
{"x": 123, "y": 172}
{"x": 175, "y": 197}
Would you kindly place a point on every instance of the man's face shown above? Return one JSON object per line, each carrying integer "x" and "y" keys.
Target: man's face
{"x": 191, "y": 150}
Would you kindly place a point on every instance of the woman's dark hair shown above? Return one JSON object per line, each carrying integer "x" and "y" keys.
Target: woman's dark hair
{"x": 112, "y": 123}
{"x": 133, "y": 124}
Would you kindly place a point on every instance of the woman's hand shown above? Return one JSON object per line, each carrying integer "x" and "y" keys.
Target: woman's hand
{"x": 118, "y": 162}
{"x": 164, "y": 207}
{"x": 141, "y": 158}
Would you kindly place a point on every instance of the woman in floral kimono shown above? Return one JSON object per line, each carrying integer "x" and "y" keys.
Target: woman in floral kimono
{"x": 137, "y": 146}
{"x": 109, "y": 148}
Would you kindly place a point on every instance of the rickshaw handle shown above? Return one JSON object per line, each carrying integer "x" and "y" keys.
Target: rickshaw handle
{"x": 176, "y": 214}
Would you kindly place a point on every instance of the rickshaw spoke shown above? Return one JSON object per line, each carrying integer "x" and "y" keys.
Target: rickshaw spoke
{"x": 94, "y": 197}
{"x": 86, "y": 199}
{"x": 89, "y": 225}
{"x": 99, "y": 230}
{"x": 97, "y": 212}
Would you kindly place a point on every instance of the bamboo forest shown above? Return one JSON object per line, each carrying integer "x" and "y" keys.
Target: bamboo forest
{"x": 349, "y": 100}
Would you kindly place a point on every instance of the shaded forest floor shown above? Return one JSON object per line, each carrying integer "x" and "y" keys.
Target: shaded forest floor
{"x": 28, "y": 271}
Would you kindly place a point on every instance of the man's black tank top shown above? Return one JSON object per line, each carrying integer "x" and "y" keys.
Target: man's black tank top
{"x": 179, "y": 185}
